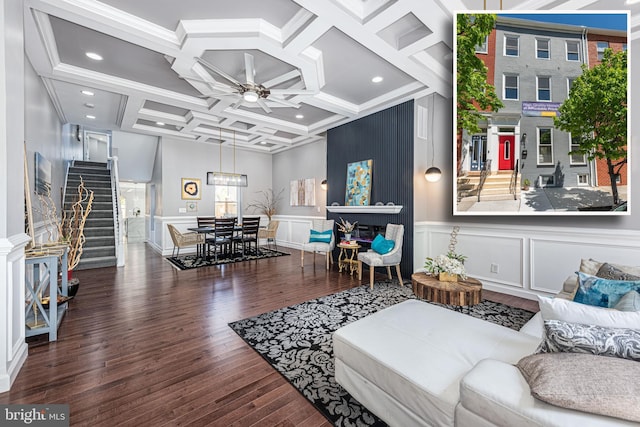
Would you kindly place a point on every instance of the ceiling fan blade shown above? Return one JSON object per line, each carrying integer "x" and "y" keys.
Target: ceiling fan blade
{"x": 292, "y": 92}
{"x": 212, "y": 85}
{"x": 249, "y": 69}
{"x": 263, "y": 104}
{"x": 282, "y": 78}
{"x": 218, "y": 71}
{"x": 283, "y": 102}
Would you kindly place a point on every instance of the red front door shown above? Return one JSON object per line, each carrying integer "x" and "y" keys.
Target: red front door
{"x": 507, "y": 148}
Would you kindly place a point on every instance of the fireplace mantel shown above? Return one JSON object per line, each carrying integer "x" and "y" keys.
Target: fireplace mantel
{"x": 395, "y": 209}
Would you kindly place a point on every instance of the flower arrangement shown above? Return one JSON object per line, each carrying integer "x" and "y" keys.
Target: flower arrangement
{"x": 451, "y": 262}
{"x": 346, "y": 226}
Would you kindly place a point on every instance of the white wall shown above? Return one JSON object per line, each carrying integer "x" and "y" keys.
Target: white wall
{"x": 136, "y": 154}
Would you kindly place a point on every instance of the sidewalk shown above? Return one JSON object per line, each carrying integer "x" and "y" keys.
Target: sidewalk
{"x": 549, "y": 199}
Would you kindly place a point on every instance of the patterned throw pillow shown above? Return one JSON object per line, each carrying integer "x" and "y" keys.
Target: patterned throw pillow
{"x": 629, "y": 302}
{"x": 564, "y": 337}
{"x": 611, "y": 272}
{"x": 600, "y": 292}
{"x": 320, "y": 236}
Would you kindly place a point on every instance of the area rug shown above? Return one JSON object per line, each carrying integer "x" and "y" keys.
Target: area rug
{"x": 296, "y": 341}
{"x": 185, "y": 262}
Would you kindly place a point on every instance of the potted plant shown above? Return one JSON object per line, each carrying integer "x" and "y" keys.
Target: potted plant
{"x": 450, "y": 265}
{"x": 346, "y": 227}
{"x": 525, "y": 184}
{"x": 268, "y": 202}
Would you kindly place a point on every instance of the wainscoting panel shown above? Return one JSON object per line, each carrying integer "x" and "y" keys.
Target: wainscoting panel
{"x": 525, "y": 260}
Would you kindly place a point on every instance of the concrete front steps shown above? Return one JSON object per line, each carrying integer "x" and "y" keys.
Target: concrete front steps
{"x": 99, "y": 249}
{"x": 496, "y": 187}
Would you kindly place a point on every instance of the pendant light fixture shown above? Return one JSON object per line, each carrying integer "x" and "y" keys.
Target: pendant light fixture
{"x": 433, "y": 174}
{"x": 225, "y": 178}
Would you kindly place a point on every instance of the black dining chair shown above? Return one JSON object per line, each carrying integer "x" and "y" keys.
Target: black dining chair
{"x": 206, "y": 221}
{"x": 248, "y": 234}
{"x": 223, "y": 236}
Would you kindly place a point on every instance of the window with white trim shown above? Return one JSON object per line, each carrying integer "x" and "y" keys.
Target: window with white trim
{"x": 545, "y": 146}
{"x": 547, "y": 180}
{"x": 226, "y": 201}
{"x": 542, "y": 49}
{"x": 570, "y": 81}
{"x": 510, "y": 87}
{"x": 543, "y": 84}
{"x": 601, "y": 47}
{"x": 511, "y": 45}
{"x": 576, "y": 158}
{"x": 573, "y": 50}
{"x": 482, "y": 48}
{"x": 583, "y": 179}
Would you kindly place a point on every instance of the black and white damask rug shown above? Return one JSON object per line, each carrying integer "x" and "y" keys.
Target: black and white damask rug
{"x": 186, "y": 262}
{"x": 296, "y": 341}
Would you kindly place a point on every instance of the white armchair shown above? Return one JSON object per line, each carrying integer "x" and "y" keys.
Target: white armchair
{"x": 321, "y": 247}
{"x": 373, "y": 259}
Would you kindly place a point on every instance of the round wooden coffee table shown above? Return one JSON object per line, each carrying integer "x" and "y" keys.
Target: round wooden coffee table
{"x": 466, "y": 292}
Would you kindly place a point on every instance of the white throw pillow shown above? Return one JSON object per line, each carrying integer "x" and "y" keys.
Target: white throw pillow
{"x": 573, "y": 312}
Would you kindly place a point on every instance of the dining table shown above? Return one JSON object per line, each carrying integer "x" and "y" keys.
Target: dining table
{"x": 202, "y": 248}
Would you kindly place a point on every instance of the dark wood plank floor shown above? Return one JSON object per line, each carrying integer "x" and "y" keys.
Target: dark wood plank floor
{"x": 147, "y": 345}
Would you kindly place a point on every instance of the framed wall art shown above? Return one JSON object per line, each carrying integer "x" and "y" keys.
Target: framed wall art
{"x": 191, "y": 189}
{"x": 358, "y": 191}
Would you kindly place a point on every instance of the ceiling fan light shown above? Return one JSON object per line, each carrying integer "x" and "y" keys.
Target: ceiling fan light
{"x": 433, "y": 174}
{"x": 250, "y": 96}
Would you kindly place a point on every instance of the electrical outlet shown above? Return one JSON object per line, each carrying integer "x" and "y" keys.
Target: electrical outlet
{"x": 182, "y": 210}
{"x": 495, "y": 268}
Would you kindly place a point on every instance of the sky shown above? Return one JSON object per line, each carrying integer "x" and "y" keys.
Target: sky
{"x": 610, "y": 21}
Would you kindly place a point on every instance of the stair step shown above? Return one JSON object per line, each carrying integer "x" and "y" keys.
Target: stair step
{"x": 98, "y": 251}
{"x": 99, "y": 222}
{"x": 106, "y": 261}
{"x": 87, "y": 163}
{"x": 97, "y": 241}
{"x": 98, "y": 231}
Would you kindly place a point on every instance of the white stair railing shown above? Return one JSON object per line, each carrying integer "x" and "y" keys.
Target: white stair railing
{"x": 117, "y": 215}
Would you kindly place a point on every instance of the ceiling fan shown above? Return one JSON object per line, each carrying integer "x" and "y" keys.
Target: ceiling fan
{"x": 251, "y": 92}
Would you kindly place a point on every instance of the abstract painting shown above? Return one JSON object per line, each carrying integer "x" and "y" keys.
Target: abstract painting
{"x": 303, "y": 192}
{"x": 358, "y": 192}
{"x": 191, "y": 189}
{"x": 43, "y": 174}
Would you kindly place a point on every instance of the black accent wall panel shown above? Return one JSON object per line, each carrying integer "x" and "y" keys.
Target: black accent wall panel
{"x": 385, "y": 137}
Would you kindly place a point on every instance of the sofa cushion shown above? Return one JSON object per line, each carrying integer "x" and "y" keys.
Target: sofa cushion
{"x": 573, "y": 312}
{"x": 418, "y": 352}
{"x": 629, "y": 302}
{"x": 496, "y": 391}
{"x": 584, "y": 382}
{"x": 602, "y": 292}
{"x": 611, "y": 272}
{"x": 565, "y": 337}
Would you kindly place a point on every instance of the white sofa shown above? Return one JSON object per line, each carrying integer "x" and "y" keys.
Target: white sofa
{"x": 417, "y": 364}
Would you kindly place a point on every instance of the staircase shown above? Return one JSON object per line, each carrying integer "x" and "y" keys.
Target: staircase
{"x": 99, "y": 249}
{"x": 496, "y": 186}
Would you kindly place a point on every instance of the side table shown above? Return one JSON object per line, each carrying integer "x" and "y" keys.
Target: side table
{"x": 466, "y": 292}
{"x": 348, "y": 258}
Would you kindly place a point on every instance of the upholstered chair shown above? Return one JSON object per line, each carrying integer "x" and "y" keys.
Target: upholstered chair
{"x": 181, "y": 240}
{"x": 373, "y": 259}
{"x": 319, "y": 225}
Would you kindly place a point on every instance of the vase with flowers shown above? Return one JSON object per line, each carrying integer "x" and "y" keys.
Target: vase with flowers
{"x": 448, "y": 267}
{"x": 347, "y": 228}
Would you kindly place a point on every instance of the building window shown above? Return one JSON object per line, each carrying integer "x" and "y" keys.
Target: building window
{"x": 510, "y": 87}
{"x": 570, "y": 81}
{"x": 583, "y": 179}
{"x": 482, "y": 48}
{"x": 544, "y": 88}
{"x": 624, "y": 47}
{"x": 226, "y": 203}
{"x": 511, "y": 46}
{"x": 547, "y": 180}
{"x": 601, "y": 47}
{"x": 545, "y": 146}
{"x": 573, "y": 50}
{"x": 576, "y": 158}
{"x": 542, "y": 49}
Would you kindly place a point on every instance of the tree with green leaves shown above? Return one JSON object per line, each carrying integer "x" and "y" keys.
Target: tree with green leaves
{"x": 474, "y": 93}
{"x": 595, "y": 113}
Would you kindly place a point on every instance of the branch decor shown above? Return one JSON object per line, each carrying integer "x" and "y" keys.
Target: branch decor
{"x": 268, "y": 202}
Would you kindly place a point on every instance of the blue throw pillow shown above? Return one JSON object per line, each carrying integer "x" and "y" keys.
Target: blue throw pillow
{"x": 320, "y": 236}
{"x": 601, "y": 292}
{"x": 382, "y": 245}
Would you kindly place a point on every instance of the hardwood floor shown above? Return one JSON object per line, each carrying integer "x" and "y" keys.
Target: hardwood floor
{"x": 147, "y": 345}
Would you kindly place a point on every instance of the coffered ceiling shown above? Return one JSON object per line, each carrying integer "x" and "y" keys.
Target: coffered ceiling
{"x": 168, "y": 66}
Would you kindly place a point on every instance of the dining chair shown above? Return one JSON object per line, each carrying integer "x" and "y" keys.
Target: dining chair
{"x": 182, "y": 240}
{"x": 395, "y": 233}
{"x": 320, "y": 242}
{"x": 222, "y": 236}
{"x": 269, "y": 233}
{"x": 248, "y": 233}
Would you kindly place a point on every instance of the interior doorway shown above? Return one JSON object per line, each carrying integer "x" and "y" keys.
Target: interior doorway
{"x": 97, "y": 146}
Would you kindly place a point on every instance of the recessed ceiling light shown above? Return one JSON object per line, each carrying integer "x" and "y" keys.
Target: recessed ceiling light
{"x": 89, "y": 116}
{"x": 299, "y": 116}
{"x": 160, "y": 123}
{"x": 94, "y": 56}
{"x": 89, "y": 105}
{"x": 87, "y": 92}
{"x": 263, "y": 142}
{"x": 377, "y": 79}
